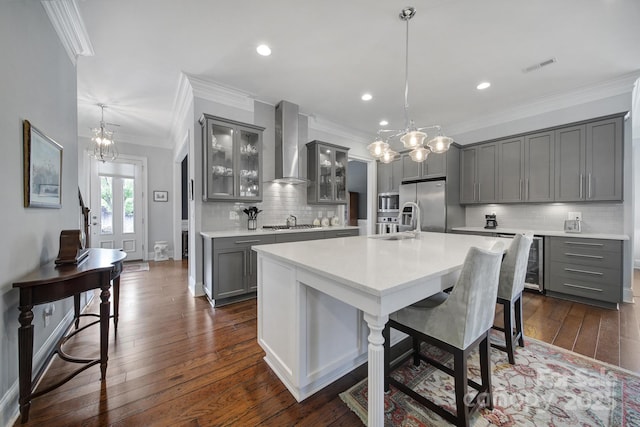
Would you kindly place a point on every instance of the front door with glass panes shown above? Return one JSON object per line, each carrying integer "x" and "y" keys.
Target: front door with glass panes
{"x": 116, "y": 207}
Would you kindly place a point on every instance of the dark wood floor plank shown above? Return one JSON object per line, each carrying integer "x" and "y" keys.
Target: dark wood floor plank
{"x": 178, "y": 361}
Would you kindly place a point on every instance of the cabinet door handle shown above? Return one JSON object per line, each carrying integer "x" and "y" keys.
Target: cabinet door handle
{"x": 344, "y": 233}
{"x": 583, "y": 243}
{"x": 581, "y": 186}
{"x": 583, "y": 255}
{"x": 520, "y": 196}
{"x": 238, "y": 242}
{"x": 244, "y": 264}
{"x": 474, "y": 191}
{"x": 479, "y": 194}
{"x": 527, "y": 190}
{"x": 589, "y": 186}
{"x": 575, "y": 270}
{"x": 582, "y": 287}
{"x": 250, "y": 263}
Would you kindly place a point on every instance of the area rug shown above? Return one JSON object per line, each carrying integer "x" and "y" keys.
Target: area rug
{"x": 548, "y": 386}
{"x": 135, "y": 266}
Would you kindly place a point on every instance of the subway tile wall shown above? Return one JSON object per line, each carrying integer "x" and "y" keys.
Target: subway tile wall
{"x": 278, "y": 202}
{"x": 596, "y": 217}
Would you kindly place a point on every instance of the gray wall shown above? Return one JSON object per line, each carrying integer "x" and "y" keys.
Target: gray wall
{"x": 38, "y": 83}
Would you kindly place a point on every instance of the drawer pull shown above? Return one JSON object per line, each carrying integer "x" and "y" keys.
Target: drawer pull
{"x": 583, "y": 244}
{"x": 583, "y": 287}
{"x": 237, "y": 242}
{"x": 575, "y": 270}
{"x": 345, "y": 233}
{"x": 584, "y": 256}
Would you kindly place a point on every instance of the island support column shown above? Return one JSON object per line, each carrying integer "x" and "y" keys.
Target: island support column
{"x": 375, "y": 404}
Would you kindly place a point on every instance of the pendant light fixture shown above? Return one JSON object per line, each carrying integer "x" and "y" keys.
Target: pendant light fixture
{"x": 412, "y": 137}
{"x": 104, "y": 147}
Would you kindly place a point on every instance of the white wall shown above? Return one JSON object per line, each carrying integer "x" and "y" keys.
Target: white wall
{"x": 38, "y": 83}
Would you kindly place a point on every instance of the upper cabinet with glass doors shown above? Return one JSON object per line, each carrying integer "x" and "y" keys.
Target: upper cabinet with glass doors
{"x": 327, "y": 173}
{"x": 232, "y": 160}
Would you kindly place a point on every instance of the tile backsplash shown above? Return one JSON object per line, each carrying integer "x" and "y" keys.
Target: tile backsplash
{"x": 596, "y": 217}
{"x": 278, "y": 202}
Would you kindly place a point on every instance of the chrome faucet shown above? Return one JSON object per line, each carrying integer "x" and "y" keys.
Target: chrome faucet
{"x": 415, "y": 217}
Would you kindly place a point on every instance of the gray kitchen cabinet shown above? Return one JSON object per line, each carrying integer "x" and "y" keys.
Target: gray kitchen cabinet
{"x": 299, "y": 237}
{"x": 327, "y": 173}
{"x": 232, "y": 160}
{"x": 584, "y": 270}
{"x": 231, "y": 266}
{"x": 434, "y": 167}
{"x": 525, "y": 168}
{"x": 569, "y": 163}
{"x": 468, "y": 175}
{"x": 389, "y": 176}
{"x": 539, "y": 171}
{"x": 230, "y": 272}
{"x": 478, "y": 169}
{"x": 510, "y": 170}
{"x": 589, "y": 162}
{"x": 604, "y": 153}
{"x": 331, "y": 234}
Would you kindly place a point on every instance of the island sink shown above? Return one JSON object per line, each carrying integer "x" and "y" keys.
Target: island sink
{"x": 395, "y": 236}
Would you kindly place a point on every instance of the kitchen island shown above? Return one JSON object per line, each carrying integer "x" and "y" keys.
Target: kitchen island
{"x": 322, "y": 305}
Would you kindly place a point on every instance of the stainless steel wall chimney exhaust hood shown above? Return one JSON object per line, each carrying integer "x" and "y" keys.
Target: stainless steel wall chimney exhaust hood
{"x": 287, "y": 158}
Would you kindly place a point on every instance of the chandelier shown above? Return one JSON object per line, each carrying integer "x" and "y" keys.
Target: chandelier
{"x": 104, "y": 147}
{"x": 411, "y": 136}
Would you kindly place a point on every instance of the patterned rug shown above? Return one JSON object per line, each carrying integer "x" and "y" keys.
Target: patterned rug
{"x": 135, "y": 266}
{"x": 548, "y": 386}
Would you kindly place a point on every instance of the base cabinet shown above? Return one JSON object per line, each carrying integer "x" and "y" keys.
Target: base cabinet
{"x": 584, "y": 270}
{"x": 231, "y": 266}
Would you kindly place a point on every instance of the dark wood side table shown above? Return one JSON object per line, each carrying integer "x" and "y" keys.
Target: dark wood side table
{"x": 52, "y": 283}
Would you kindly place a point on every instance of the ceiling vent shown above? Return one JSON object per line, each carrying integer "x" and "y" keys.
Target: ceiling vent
{"x": 539, "y": 65}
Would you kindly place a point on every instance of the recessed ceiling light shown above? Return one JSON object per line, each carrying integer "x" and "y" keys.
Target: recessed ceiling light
{"x": 383, "y": 123}
{"x": 483, "y": 85}
{"x": 367, "y": 97}
{"x": 263, "y": 50}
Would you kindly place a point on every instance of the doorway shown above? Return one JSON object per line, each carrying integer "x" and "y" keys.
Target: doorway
{"x": 117, "y": 206}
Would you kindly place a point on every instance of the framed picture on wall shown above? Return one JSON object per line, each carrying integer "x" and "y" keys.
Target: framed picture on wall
{"x": 160, "y": 196}
{"x": 42, "y": 169}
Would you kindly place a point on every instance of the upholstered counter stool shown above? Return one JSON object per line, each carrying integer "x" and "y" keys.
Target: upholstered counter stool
{"x": 458, "y": 324}
{"x": 510, "y": 288}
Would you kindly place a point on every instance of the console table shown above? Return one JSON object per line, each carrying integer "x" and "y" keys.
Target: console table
{"x": 52, "y": 283}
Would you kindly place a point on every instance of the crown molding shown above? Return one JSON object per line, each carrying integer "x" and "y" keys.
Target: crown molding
{"x": 324, "y": 125}
{"x": 216, "y": 92}
{"x": 181, "y": 105}
{"x": 68, "y": 24}
{"x": 618, "y": 86}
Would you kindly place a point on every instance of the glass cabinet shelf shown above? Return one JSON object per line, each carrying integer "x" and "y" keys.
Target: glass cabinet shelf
{"x": 232, "y": 156}
{"x": 327, "y": 173}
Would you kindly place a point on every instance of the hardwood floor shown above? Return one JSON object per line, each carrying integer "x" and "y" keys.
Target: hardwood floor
{"x": 178, "y": 362}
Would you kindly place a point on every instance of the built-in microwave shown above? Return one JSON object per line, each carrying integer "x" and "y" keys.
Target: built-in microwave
{"x": 389, "y": 202}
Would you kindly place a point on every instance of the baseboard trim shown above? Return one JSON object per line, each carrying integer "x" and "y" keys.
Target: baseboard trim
{"x": 9, "y": 405}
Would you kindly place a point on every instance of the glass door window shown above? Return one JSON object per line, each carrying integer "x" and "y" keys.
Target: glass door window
{"x": 326, "y": 159}
{"x": 220, "y": 175}
{"x": 340, "y": 175}
{"x": 249, "y": 164}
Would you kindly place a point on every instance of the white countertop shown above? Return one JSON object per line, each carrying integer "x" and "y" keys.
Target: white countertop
{"x": 378, "y": 266}
{"x": 544, "y": 233}
{"x": 265, "y": 231}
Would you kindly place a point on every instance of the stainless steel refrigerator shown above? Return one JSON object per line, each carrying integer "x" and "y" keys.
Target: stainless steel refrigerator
{"x": 440, "y": 209}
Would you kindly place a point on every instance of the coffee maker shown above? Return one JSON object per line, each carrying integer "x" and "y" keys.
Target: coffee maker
{"x": 491, "y": 221}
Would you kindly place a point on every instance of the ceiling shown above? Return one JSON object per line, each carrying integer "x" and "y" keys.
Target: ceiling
{"x": 326, "y": 54}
